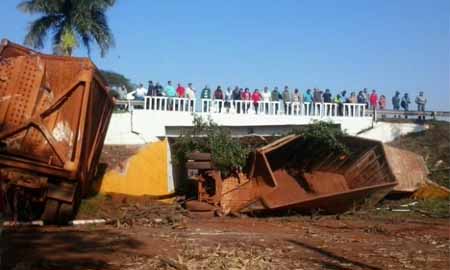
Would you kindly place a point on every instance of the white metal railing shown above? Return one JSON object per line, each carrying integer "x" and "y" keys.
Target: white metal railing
{"x": 169, "y": 104}
{"x": 214, "y": 106}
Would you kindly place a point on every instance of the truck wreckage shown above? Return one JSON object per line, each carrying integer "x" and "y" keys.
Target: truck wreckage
{"x": 286, "y": 174}
{"x": 54, "y": 114}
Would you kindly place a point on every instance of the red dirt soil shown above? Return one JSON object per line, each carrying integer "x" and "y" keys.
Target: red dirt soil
{"x": 350, "y": 242}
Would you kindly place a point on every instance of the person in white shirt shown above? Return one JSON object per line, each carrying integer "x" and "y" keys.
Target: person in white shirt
{"x": 190, "y": 91}
{"x": 228, "y": 97}
{"x": 190, "y": 94}
{"x": 265, "y": 96}
{"x": 140, "y": 92}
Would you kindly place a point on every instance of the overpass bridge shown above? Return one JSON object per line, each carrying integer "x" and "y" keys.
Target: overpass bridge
{"x": 143, "y": 121}
{"x": 138, "y": 122}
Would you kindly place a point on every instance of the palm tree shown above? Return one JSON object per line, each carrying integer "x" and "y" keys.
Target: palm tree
{"x": 70, "y": 22}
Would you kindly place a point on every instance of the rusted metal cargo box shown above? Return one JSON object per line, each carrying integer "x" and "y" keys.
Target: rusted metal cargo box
{"x": 410, "y": 169}
{"x": 54, "y": 114}
{"x": 289, "y": 174}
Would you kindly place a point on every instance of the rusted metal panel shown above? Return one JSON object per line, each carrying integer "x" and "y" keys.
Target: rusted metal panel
{"x": 54, "y": 115}
{"x": 287, "y": 174}
{"x": 409, "y": 169}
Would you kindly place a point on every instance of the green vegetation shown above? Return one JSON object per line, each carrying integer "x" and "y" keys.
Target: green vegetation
{"x": 115, "y": 79}
{"x": 228, "y": 155}
{"x": 433, "y": 208}
{"x": 70, "y": 22}
{"x": 323, "y": 136}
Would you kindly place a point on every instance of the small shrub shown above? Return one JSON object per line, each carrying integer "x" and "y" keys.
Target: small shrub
{"x": 323, "y": 136}
{"x": 227, "y": 154}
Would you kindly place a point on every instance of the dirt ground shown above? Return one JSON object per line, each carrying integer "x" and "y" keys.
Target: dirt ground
{"x": 151, "y": 235}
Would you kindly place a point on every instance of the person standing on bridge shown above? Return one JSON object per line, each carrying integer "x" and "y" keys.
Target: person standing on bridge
{"x": 190, "y": 95}
{"x": 181, "y": 93}
{"x": 228, "y": 97}
{"x": 265, "y": 96}
{"x": 308, "y": 97}
{"x": 421, "y": 101}
{"x": 275, "y": 97}
{"x": 353, "y": 99}
{"x": 317, "y": 95}
{"x": 327, "y": 96}
{"x": 405, "y": 104}
{"x": 140, "y": 92}
{"x": 297, "y": 100}
{"x": 159, "y": 89}
{"x": 396, "y": 101}
{"x": 287, "y": 100}
{"x": 296, "y": 96}
{"x": 236, "y": 95}
{"x": 190, "y": 91}
{"x": 151, "y": 90}
{"x": 170, "y": 94}
{"x": 366, "y": 97}
{"x": 218, "y": 98}
{"x": 373, "y": 100}
{"x": 256, "y": 97}
{"x": 382, "y": 102}
{"x": 360, "y": 97}
{"x": 205, "y": 94}
{"x": 338, "y": 100}
{"x": 308, "y": 100}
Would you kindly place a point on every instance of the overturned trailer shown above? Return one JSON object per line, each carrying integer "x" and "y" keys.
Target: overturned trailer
{"x": 289, "y": 174}
{"x": 54, "y": 114}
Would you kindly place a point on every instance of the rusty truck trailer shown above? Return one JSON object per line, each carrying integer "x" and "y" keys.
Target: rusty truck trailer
{"x": 54, "y": 114}
{"x": 290, "y": 174}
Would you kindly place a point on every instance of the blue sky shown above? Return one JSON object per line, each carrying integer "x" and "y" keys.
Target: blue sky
{"x": 386, "y": 45}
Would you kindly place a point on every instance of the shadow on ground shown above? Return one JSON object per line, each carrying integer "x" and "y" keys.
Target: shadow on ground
{"x": 67, "y": 249}
{"x": 334, "y": 257}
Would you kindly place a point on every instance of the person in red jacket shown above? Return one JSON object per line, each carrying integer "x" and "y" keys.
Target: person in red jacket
{"x": 256, "y": 97}
{"x": 373, "y": 100}
{"x": 181, "y": 93}
{"x": 246, "y": 96}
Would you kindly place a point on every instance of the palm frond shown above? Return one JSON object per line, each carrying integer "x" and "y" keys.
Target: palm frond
{"x": 94, "y": 27}
{"x": 41, "y": 6}
{"x": 101, "y": 32}
{"x": 38, "y": 30}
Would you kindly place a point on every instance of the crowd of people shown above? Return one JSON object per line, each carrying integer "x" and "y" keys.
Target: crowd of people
{"x": 372, "y": 99}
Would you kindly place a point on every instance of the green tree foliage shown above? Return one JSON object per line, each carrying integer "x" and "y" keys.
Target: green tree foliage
{"x": 323, "y": 136}
{"x": 115, "y": 79}
{"x": 71, "y": 22}
{"x": 228, "y": 155}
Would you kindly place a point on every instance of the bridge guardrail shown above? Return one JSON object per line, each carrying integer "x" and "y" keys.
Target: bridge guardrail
{"x": 243, "y": 107}
{"x": 211, "y": 106}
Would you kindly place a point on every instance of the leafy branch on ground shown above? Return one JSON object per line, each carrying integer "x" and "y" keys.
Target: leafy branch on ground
{"x": 227, "y": 153}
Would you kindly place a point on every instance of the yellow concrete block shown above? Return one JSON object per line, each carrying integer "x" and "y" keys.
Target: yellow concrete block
{"x": 146, "y": 173}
